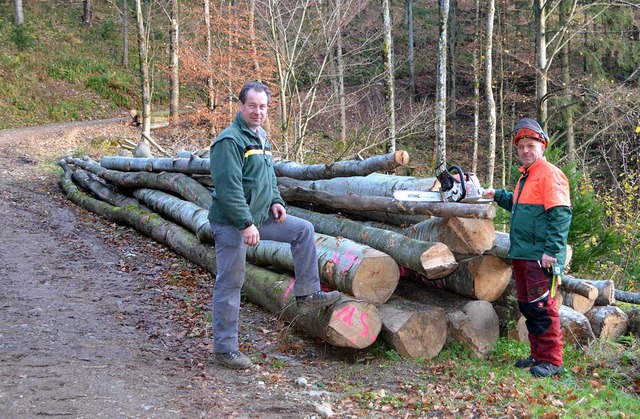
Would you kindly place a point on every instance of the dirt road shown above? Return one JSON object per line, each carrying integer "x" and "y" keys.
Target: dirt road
{"x": 83, "y": 337}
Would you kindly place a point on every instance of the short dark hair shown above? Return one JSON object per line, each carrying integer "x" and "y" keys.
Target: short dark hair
{"x": 255, "y": 85}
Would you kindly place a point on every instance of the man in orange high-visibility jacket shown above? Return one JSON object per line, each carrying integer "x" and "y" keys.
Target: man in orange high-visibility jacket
{"x": 540, "y": 218}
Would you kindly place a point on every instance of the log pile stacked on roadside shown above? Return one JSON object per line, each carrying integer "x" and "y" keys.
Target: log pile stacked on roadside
{"x": 414, "y": 273}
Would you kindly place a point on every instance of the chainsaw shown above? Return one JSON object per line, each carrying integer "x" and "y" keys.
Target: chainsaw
{"x": 459, "y": 187}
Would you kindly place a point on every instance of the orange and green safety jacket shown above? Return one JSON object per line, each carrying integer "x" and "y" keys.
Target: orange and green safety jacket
{"x": 541, "y": 213}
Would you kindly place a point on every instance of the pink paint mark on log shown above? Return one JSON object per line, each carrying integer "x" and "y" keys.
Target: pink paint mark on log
{"x": 289, "y": 288}
{"x": 346, "y": 315}
{"x": 144, "y": 218}
{"x": 352, "y": 259}
{"x": 402, "y": 273}
{"x": 336, "y": 258}
{"x": 365, "y": 326}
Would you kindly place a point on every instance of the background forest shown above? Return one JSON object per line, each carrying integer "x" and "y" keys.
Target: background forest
{"x": 355, "y": 78}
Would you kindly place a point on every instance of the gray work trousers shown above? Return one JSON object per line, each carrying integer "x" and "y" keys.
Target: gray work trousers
{"x": 231, "y": 255}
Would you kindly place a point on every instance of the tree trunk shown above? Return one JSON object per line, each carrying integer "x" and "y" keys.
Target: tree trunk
{"x": 633, "y": 315}
{"x": 605, "y": 291}
{"x": 476, "y": 88}
{"x": 340, "y": 76}
{"x": 351, "y": 203}
{"x": 580, "y": 287}
{"x": 389, "y": 79}
{"x": 143, "y": 56}
{"x": 472, "y": 323}
{"x": 414, "y": 330}
{"x": 107, "y": 193}
{"x": 452, "y": 41}
{"x": 18, "y": 18}
{"x": 411, "y": 47}
{"x": 627, "y": 297}
{"x": 87, "y": 13}
{"x": 194, "y": 165}
{"x": 465, "y": 236}
{"x": 578, "y": 302}
{"x": 345, "y": 265}
{"x": 491, "y": 105}
{"x": 567, "y": 107}
{"x": 211, "y": 96}
{"x": 608, "y": 322}
{"x": 174, "y": 100}
{"x": 434, "y": 260}
{"x": 375, "y": 184}
{"x": 347, "y": 323}
{"x": 441, "y": 84}
{"x": 179, "y": 183}
{"x": 347, "y": 168}
{"x": 482, "y": 277}
{"x": 541, "y": 61}
{"x": 125, "y": 33}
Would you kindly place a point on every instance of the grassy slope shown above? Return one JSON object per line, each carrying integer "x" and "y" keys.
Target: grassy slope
{"x": 68, "y": 73}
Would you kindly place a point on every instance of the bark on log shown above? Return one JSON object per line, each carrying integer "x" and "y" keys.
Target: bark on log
{"x": 461, "y": 235}
{"x": 414, "y": 330}
{"x": 633, "y": 315}
{"x": 105, "y": 192}
{"x": 472, "y": 323}
{"x": 579, "y": 286}
{"x": 605, "y": 291}
{"x": 345, "y": 265}
{"x": 576, "y": 328}
{"x": 380, "y": 163}
{"x": 192, "y": 165}
{"x": 608, "y": 322}
{"x": 434, "y": 260}
{"x": 353, "y": 202}
{"x": 399, "y": 220}
{"x": 178, "y": 183}
{"x": 579, "y": 303}
{"x": 374, "y": 184}
{"x": 501, "y": 244}
{"x": 347, "y": 323}
{"x": 627, "y": 297}
{"x": 482, "y": 277}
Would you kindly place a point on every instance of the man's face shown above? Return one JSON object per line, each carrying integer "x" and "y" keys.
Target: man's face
{"x": 254, "y": 109}
{"x": 530, "y": 150}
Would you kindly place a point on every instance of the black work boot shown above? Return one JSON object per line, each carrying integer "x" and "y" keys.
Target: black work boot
{"x": 545, "y": 369}
{"x": 317, "y": 299}
{"x": 526, "y": 362}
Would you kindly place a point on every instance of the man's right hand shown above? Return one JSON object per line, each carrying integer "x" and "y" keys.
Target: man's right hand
{"x": 251, "y": 235}
{"x": 489, "y": 193}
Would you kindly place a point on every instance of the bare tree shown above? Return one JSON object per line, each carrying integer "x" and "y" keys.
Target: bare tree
{"x": 412, "y": 70}
{"x": 125, "y": 33}
{"x": 143, "y": 55}
{"x": 452, "y": 41}
{"x": 211, "y": 102}
{"x": 387, "y": 52}
{"x": 476, "y": 87}
{"x": 491, "y": 105}
{"x": 441, "y": 90}
{"x": 87, "y": 12}
{"x": 173, "y": 52}
{"x": 18, "y": 19}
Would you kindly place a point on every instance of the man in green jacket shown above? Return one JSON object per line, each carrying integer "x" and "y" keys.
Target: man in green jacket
{"x": 541, "y": 215}
{"x": 247, "y": 207}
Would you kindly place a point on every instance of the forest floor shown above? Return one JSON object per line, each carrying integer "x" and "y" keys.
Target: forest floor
{"x": 96, "y": 320}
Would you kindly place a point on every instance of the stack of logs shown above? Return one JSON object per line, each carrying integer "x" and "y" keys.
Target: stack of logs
{"x": 416, "y": 274}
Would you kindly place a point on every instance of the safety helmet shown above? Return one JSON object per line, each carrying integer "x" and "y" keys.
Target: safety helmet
{"x": 527, "y": 127}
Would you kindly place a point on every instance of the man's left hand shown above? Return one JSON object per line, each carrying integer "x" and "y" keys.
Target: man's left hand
{"x": 279, "y": 212}
{"x": 547, "y": 261}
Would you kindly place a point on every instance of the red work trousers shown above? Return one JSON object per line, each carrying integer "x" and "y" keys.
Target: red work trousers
{"x": 537, "y": 303}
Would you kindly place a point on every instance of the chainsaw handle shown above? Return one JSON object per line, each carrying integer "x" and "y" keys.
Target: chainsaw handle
{"x": 463, "y": 188}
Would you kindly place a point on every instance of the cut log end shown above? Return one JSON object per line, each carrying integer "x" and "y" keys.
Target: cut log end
{"x": 353, "y": 324}
{"x": 376, "y": 278}
{"x": 438, "y": 261}
{"x": 491, "y": 275}
{"x": 402, "y": 157}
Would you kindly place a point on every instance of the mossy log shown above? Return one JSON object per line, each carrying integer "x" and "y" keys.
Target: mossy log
{"x": 414, "y": 330}
{"x": 345, "y": 265}
{"x": 608, "y": 322}
{"x": 626, "y": 296}
{"x": 434, "y": 260}
{"x": 104, "y": 191}
{"x": 178, "y": 183}
{"x": 347, "y": 323}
